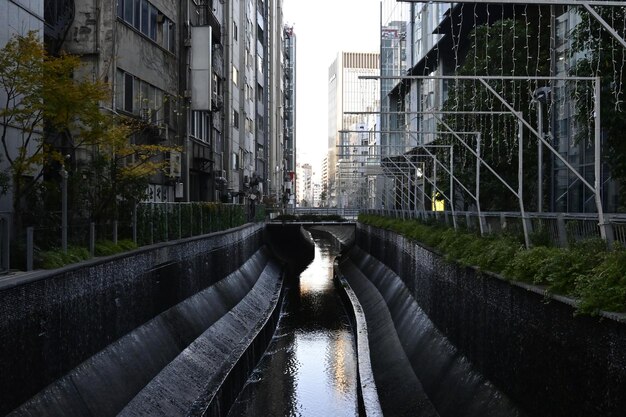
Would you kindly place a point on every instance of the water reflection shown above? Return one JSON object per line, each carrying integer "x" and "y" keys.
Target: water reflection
{"x": 309, "y": 368}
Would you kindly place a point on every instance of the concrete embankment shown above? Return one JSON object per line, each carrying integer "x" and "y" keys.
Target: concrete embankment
{"x": 484, "y": 346}
{"x": 172, "y": 329}
{"x": 368, "y": 398}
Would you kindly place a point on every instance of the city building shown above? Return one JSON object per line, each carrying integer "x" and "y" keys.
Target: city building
{"x": 289, "y": 110}
{"x": 304, "y": 185}
{"x": 433, "y": 39}
{"x": 206, "y": 76}
{"x": 350, "y": 101}
{"x": 18, "y": 18}
{"x": 254, "y": 97}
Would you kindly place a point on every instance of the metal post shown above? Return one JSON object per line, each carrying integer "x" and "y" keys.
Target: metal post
{"x": 539, "y": 158}
{"x": 190, "y": 219}
{"x": 167, "y": 229}
{"x": 115, "y": 232}
{"x": 92, "y": 238}
{"x": 520, "y": 181}
{"x": 135, "y": 223}
{"x": 29, "y": 248}
{"x": 481, "y": 225}
{"x": 64, "y": 210}
{"x": 605, "y": 230}
{"x": 561, "y": 230}
{"x": 6, "y": 243}
{"x": 434, "y": 199}
{"x": 452, "y": 187}
{"x": 502, "y": 221}
{"x": 151, "y": 223}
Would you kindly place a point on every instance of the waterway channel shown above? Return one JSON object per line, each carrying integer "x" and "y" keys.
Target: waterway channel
{"x": 309, "y": 368}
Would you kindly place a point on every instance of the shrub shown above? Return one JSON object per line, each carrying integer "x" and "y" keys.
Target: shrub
{"x": 586, "y": 270}
{"x": 605, "y": 287}
{"x": 56, "y": 258}
{"x": 526, "y": 264}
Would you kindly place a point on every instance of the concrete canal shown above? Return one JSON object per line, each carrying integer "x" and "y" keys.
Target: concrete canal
{"x": 309, "y": 368}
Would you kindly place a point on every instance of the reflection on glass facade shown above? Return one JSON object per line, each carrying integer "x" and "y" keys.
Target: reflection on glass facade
{"x": 569, "y": 194}
{"x": 348, "y": 93}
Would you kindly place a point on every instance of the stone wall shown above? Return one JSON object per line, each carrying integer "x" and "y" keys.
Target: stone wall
{"x": 532, "y": 347}
{"x": 51, "y": 321}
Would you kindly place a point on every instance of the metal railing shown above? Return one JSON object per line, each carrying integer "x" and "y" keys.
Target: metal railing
{"x": 346, "y": 213}
{"x": 149, "y": 223}
{"x": 556, "y": 229}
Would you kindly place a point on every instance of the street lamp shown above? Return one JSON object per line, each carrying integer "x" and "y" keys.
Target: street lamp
{"x": 540, "y": 96}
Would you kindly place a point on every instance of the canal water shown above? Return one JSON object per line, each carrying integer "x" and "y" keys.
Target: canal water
{"x": 309, "y": 368}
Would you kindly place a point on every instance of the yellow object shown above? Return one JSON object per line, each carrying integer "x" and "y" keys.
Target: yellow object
{"x": 438, "y": 203}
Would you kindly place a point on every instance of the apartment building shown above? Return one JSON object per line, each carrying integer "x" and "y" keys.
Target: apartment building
{"x": 205, "y": 75}
{"x": 289, "y": 110}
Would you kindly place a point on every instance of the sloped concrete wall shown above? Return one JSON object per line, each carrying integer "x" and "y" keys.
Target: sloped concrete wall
{"x": 52, "y": 321}
{"x": 533, "y": 348}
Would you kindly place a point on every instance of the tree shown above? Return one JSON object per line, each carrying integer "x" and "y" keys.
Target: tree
{"x": 323, "y": 197}
{"x": 52, "y": 113}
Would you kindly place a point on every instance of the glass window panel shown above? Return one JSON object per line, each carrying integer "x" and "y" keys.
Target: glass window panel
{"x": 128, "y": 92}
{"x": 119, "y": 89}
{"x": 153, "y": 23}
{"x": 137, "y": 17}
{"x": 144, "y": 17}
{"x": 172, "y": 37}
{"x": 128, "y": 11}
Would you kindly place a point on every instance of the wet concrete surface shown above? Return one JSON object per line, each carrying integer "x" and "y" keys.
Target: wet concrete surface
{"x": 309, "y": 369}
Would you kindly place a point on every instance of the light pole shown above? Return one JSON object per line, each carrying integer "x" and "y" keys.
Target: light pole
{"x": 540, "y": 96}
{"x": 63, "y": 209}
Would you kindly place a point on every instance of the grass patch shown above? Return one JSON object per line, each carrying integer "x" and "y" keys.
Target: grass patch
{"x": 56, "y": 258}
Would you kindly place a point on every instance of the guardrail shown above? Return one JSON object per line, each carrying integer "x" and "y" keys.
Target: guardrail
{"x": 149, "y": 223}
{"x": 557, "y": 229}
{"x": 346, "y": 213}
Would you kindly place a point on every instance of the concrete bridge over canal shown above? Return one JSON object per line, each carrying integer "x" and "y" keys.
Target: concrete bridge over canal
{"x": 210, "y": 325}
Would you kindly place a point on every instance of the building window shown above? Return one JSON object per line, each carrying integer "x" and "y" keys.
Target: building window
{"x": 235, "y": 75}
{"x": 128, "y": 92}
{"x": 144, "y": 17}
{"x": 153, "y": 21}
{"x": 200, "y": 125}
{"x": 235, "y": 32}
{"x": 235, "y": 119}
{"x": 169, "y": 35}
{"x": 235, "y": 160}
{"x": 141, "y": 98}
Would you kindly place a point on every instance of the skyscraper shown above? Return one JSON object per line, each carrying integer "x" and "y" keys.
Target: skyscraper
{"x": 347, "y": 93}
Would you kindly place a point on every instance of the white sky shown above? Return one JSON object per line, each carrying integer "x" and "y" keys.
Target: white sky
{"x": 323, "y": 28}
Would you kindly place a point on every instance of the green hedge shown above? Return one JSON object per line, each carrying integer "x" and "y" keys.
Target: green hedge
{"x": 585, "y": 271}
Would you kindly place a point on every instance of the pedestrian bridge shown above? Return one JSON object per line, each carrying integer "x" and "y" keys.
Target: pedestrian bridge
{"x": 281, "y": 319}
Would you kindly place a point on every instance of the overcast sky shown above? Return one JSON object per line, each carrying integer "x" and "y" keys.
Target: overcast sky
{"x": 323, "y": 28}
